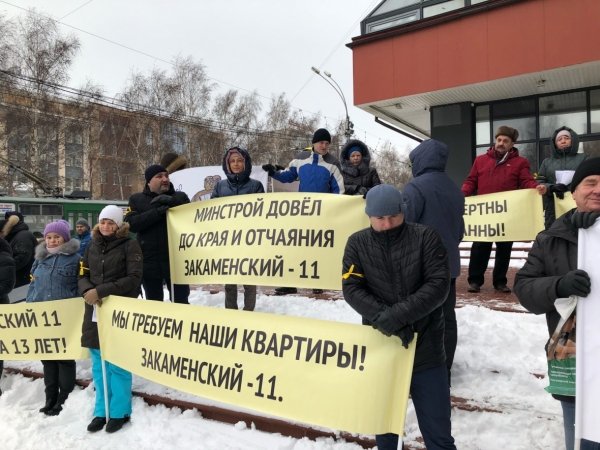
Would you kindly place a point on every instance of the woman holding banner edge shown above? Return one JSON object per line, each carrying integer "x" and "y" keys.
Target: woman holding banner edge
{"x": 54, "y": 277}
{"x": 112, "y": 265}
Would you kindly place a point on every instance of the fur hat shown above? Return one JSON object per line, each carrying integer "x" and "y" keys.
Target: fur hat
{"x": 83, "y": 222}
{"x": 588, "y": 167}
{"x": 383, "y": 200}
{"x": 173, "y": 162}
{"x": 113, "y": 213}
{"x": 510, "y": 132}
{"x": 60, "y": 227}
{"x": 7, "y": 214}
{"x": 153, "y": 170}
{"x": 321, "y": 135}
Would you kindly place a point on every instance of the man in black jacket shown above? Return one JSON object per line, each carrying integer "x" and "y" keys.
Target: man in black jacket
{"x": 23, "y": 243}
{"x": 7, "y": 278}
{"x": 396, "y": 277}
{"x": 550, "y": 271}
{"x": 147, "y": 216}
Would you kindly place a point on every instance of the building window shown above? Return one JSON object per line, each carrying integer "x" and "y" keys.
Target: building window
{"x": 563, "y": 110}
{"x": 102, "y": 176}
{"x": 441, "y": 8}
{"x": 595, "y": 111}
{"x": 482, "y": 125}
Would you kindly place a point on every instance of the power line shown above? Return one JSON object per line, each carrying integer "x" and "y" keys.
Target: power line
{"x": 171, "y": 63}
{"x": 76, "y": 9}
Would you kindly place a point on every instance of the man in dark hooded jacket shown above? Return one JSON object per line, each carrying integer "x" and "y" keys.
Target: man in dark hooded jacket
{"x": 433, "y": 199}
{"x": 564, "y": 145}
{"x": 22, "y": 242}
{"x": 7, "y": 278}
{"x": 147, "y": 216}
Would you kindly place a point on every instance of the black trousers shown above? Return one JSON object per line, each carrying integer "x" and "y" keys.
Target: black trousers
{"x": 59, "y": 379}
{"x": 153, "y": 288}
{"x": 450, "y": 327}
{"x": 231, "y": 294}
{"x": 480, "y": 256}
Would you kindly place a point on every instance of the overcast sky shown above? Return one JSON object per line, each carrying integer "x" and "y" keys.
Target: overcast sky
{"x": 263, "y": 45}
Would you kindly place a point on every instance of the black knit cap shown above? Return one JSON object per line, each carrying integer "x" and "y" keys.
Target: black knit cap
{"x": 586, "y": 168}
{"x": 321, "y": 135}
{"x": 152, "y": 171}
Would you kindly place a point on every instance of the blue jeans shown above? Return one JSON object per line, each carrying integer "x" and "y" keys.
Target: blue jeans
{"x": 569, "y": 423}
{"x": 118, "y": 384}
{"x": 430, "y": 394}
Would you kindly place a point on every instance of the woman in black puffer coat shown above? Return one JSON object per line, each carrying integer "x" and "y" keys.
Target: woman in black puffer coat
{"x": 359, "y": 177}
{"x": 7, "y": 278}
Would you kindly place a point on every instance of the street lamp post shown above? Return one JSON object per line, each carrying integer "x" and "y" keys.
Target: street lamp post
{"x": 349, "y": 131}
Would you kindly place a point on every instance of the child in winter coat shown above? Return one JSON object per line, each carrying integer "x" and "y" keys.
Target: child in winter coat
{"x": 54, "y": 277}
{"x": 112, "y": 265}
{"x": 237, "y": 166}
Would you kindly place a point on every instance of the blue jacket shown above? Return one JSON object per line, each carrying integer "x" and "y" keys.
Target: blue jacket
{"x": 316, "y": 173}
{"x": 431, "y": 198}
{"x": 84, "y": 241}
{"x": 237, "y": 184}
{"x": 54, "y": 277}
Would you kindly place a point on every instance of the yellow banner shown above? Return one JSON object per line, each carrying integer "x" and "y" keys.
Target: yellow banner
{"x": 563, "y": 206}
{"x": 42, "y": 330}
{"x": 279, "y": 239}
{"x": 336, "y": 375}
{"x": 505, "y": 216}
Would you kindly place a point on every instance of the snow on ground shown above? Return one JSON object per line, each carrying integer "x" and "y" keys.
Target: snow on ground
{"x": 497, "y": 355}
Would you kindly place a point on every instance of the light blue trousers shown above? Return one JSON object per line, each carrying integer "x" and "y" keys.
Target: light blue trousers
{"x": 118, "y": 384}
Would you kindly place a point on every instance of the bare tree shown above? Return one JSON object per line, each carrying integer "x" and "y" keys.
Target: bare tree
{"x": 37, "y": 57}
{"x": 391, "y": 166}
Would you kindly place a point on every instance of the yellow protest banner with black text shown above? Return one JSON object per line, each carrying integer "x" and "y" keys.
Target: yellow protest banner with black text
{"x": 504, "y": 216}
{"x": 42, "y": 330}
{"x": 279, "y": 239}
{"x": 336, "y": 375}
{"x": 562, "y": 206}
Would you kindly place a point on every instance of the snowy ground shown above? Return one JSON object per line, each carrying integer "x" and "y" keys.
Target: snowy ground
{"x": 497, "y": 355}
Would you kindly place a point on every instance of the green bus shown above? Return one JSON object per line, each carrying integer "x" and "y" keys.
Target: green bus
{"x": 40, "y": 211}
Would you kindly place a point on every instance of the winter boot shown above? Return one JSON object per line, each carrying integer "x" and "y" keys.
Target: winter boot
{"x": 116, "y": 424}
{"x": 96, "y": 424}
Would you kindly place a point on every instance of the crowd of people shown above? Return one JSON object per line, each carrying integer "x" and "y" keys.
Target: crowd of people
{"x": 399, "y": 274}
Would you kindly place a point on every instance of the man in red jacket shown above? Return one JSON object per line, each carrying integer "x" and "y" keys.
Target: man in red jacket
{"x": 499, "y": 169}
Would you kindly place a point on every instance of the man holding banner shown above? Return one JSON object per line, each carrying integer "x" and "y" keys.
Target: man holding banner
{"x": 396, "y": 277}
{"x": 500, "y": 169}
{"x": 551, "y": 273}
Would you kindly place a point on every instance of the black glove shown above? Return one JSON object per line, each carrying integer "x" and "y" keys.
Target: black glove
{"x": 362, "y": 191}
{"x": 270, "y": 169}
{"x": 575, "y": 282}
{"x": 406, "y": 335}
{"x": 559, "y": 189}
{"x": 386, "y": 322}
{"x": 162, "y": 209}
{"x": 278, "y": 167}
{"x": 163, "y": 199}
{"x": 584, "y": 219}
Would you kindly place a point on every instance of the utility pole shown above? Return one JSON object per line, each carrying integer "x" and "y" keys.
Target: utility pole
{"x": 349, "y": 129}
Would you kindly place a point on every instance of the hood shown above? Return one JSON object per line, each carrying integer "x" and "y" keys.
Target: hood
{"x": 572, "y": 150}
{"x": 68, "y": 248}
{"x": 429, "y": 156}
{"x": 364, "y": 150}
{"x": 122, "y": 232}
{"x": 239, "y": 177}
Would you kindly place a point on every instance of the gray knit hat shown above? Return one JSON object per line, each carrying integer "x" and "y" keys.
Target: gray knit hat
{"x": 383, "y": 200}
{"x": 83, "y": 222}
